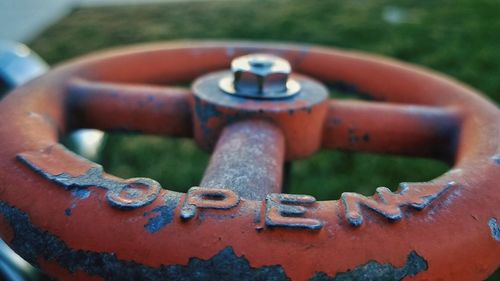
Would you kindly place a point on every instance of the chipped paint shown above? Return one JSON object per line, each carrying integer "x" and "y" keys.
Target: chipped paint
{"x": 164, "y": 213}
{"x": 389, "y": 204}
{"x": 374, "y": 271}
{"x": 131, "y": 193}
{"x": 455, "y": 115}
{"x": 33, "y": 243}
{"x": 495, "y": 229}
{"x": 81, "y": 193}
{"x": 204, "y": 112}
{"x": 245, "y": 162}
{"x": 78, "y": 194}
{"x": 214, "y": 109}
{"x": 496, "y": 158}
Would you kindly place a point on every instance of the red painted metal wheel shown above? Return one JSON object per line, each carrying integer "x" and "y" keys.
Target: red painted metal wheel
{"x": 66, "y": 215}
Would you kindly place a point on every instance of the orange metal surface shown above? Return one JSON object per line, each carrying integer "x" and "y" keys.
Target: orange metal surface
{"x": 66, "y": 215}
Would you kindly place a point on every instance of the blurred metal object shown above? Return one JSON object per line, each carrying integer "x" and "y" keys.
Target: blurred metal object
{"x": 19, "y": 64}
{"x": 88, "y": 143}
{"x": 262, "y": 76}
{"x": 15, "y": 268}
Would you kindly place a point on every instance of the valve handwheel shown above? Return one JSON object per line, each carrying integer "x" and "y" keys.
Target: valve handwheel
{"x": 64, "y": 214}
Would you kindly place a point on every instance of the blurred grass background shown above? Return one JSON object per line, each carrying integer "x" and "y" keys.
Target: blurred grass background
{"x": 459, "y": 38}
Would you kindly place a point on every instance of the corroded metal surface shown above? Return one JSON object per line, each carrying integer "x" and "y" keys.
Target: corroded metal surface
{"x": 300, "y": 117}
{"x": 247, "y": 159}
{"x": 52, "y": 162}
{"x": 414, "y": 130}
{"x": 389, "y": 204}
{"x": 129, "y": 108}
{"x": 55, "y": 207}
{"x": 288, "y": 210}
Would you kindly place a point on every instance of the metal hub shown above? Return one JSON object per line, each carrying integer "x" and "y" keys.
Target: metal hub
{"x": 258, "y": 87}
{"x": 260, "y": 76}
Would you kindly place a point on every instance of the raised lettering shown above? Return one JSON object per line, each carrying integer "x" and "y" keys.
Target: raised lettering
{"x": 207, "y": 198}
{"x": 287, "y": 210}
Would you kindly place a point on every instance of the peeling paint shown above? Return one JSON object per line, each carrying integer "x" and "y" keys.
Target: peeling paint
{"x": 389, "y": 204}
{"x": 214, "y": 109}
{"x": 33, "y": 243}
{"x": 496, "y": 158}
{"x": 131, "y": 193}
{"x": 374, "y": 271}
{"x": 204, "y": 112}
{"x": 78, "y": 194}
{"x": 244, "y": 160}
{"x": 495, "y": 229}
{"x": 164, "y": 213}
{"x": 81, "y": 193}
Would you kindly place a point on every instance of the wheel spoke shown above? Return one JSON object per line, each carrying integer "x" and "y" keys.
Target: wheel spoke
{"x": 248, "y": 159}
{"x": 391, "y": 128}
{"x": 126, "y": 107}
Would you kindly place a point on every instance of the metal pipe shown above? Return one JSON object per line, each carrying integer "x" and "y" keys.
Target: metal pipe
{"x": 248, "y": 159}
{"x": 413, "y": 130}
{"x": 129, "y": 108}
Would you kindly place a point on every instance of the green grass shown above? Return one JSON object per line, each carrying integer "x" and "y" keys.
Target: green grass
{"x": 459, "y": 38}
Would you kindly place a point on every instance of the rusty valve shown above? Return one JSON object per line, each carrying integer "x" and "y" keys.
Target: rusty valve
{"x": 261, "y": 76}
{"x": 69, "y": 217}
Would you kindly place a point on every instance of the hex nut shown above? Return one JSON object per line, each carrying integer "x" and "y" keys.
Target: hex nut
{"x": 258, "y": 74}
{"x": 261, "y": 76}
